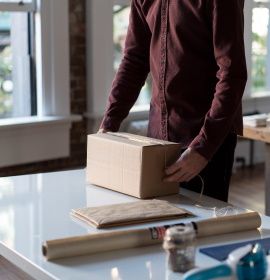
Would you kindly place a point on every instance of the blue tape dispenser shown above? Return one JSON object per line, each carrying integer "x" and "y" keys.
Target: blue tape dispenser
{"x": 246, "y": 263}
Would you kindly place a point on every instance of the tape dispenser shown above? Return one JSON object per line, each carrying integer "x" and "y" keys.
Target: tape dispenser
{"x": 245, "y": 263}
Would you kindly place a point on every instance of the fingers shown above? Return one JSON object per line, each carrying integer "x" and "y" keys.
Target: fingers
{"x": 175, "y": 172}
{"x": 173, "y": 168}
{"x": 177, "y": 166}
{"x": 186, "y": 167}
{"x": 179, "y": 177}
{"x": 176, "y": 177}
{"x": 179, "y": 172}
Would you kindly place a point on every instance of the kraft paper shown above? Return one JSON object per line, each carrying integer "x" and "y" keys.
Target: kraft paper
{"x": 129, "y": 213}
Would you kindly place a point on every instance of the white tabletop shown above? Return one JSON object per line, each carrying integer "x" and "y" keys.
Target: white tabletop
{"x": 35, "y": 208}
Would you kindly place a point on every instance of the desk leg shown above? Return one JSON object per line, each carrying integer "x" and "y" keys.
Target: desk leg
{"x": 267, "y": 179}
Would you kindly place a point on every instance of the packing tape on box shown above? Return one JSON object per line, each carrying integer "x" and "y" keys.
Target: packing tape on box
{"x": 139, "y": 138}
{"x": 115, "y": 240}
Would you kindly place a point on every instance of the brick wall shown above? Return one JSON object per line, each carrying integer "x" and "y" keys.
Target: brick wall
{"x": 78, "y": 99}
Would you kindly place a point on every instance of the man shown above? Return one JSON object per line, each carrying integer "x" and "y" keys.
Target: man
{"x": 194, "y": 50}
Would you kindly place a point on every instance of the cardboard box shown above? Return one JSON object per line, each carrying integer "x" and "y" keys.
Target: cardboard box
{"x": 131, "y": 164}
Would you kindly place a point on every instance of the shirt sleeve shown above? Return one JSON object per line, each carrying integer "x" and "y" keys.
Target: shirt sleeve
{"x": 228, "y": 42}
{"x": 132, "y": 71}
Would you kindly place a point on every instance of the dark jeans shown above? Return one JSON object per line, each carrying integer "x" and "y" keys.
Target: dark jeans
{"x": 217, "y": 173}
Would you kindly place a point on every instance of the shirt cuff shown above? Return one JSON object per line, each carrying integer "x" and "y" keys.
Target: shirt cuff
{"x": 203, "y": 147}
{"x": 110, "y": 124}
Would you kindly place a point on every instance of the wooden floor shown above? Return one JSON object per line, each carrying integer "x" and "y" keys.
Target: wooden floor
{"x": 10, "y": 272}
{"x": 247, "y": 190}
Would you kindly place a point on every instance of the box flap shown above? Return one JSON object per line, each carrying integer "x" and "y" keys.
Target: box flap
{"x": 131, "y": 139}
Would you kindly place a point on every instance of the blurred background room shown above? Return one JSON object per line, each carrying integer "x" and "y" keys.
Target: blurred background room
{"x": 57, "y": 62}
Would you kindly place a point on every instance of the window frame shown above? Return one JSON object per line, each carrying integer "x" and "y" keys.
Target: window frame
{"x": 52, "y": 58}
{"x": 266, "y": 4}
{"x": 18, "y": 6}
{"x": 138, "y": 111}
{"x": 45, "y": 136}
{"x": 249, "y": 6}
{"x": 121, "y": 2}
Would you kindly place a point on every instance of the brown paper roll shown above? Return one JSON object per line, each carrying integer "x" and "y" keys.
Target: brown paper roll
{"x": 228, "y": 224}
{"x": 95, "y": 243}
{"x": 109, "y": 241}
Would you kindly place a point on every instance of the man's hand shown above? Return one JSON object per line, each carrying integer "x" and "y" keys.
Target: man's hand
{"x": 189, "y": 164}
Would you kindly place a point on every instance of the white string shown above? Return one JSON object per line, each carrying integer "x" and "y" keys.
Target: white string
{"x": 202, "y": 187}
{"x": 223, "y": 211}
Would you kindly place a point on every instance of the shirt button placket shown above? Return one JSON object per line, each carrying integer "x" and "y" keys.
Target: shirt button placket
{"x": 164, "y": 113}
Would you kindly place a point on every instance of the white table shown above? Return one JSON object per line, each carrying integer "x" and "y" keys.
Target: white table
{"x": 34, "y": 208}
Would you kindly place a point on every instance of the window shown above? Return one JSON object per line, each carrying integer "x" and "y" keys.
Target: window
{"x": 107, "y": 23}
{"x": 260, "y": 72}
{"x": 17, "y": 77}
{"x": 34, "y": 56}
{"x": 35, "y": 124}
{"x": 121, "y": 12}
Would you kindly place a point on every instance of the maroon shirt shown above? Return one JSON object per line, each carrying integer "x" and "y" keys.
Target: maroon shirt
{"x": 194, "y": 50}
